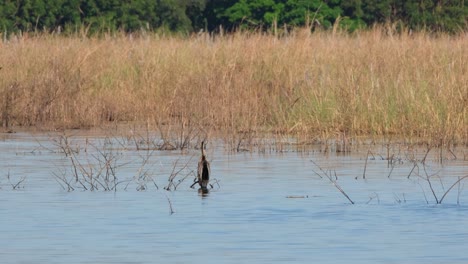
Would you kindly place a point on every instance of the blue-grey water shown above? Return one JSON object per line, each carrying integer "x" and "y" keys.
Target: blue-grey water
{"x": 268, "y": 207}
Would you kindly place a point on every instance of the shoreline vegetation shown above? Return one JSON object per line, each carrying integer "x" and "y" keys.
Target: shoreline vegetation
{"x": 311, "y": 86}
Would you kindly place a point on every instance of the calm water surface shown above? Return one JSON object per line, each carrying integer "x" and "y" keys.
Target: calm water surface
{"x": 251, "y": 217}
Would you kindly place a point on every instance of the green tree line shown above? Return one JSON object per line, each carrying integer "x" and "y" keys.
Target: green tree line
{"x": 188, "y": 16}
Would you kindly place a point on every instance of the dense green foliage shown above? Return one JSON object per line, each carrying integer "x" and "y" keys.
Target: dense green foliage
{"x": 194, "y": 15}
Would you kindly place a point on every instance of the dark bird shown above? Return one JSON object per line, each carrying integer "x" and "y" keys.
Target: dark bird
{"x": 203, "y": 175}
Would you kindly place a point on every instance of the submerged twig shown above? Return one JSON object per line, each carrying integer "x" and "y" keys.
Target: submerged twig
{"x": 424, "y": 193}
{"x": 96, "y": 169}
{"x": 333, "y": 181}
{"x": 15, "y": 186}
{"x": 423, "y": 161}
{"x": 415, "y": 165}
{"x": 455, "y": 183}
{"x": 375, "y": 195}
{"x": 428, "y": 177}
{"x": 430, "y": 185}
{"x": 170, "y": 205}
{"x": 459, "y": 191}
{"x": 391, "y": 170}
{"x": 365, "y": 165}
{"x": 173, "y": 185}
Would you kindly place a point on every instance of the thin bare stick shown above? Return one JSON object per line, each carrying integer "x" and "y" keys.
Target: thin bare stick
{"x": 430, "y": 185}
{"x": 333, "y": 181}
{"x": 425, "y": 156}
{"x": 375, "y": 195}
{"x": 14, "y": 186}
{"x": 17, "y": 184}
{"x": 459, "y": 191}
{"x": 424, "y": 193}
{"x": 155, "y": 185}
{"x": 217, "y": 182}
{"x": 82, "y": 185}
{"x": 174, "y": 174}
{"x": 448, "y": 190}
{"x": 390, "y": 161}
{"x": 391, "y": 170}
{"x": 415, "y": 165}
{"x": 56, "y": 177}
{"x": 323, "y": 171}
{"x": 64, "y": 180}
{"x": 181, "y": 180}
{"x": 341, "y": 190}
{"x": 74, "y": 168}
{"x": 365, "y": 165}
{"x": 453, "y": 154}
{"x": 170, "y": 205}
{"x": 194, "y": 183}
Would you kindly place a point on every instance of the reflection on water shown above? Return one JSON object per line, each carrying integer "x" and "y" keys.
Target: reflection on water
{"x": 203, "y": 192}
{"x": 267, "y": 208}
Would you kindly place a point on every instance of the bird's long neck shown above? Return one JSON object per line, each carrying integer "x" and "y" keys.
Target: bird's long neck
{"x": 203, "y": 150}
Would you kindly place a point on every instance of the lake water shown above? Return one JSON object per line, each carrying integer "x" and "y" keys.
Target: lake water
{"x": 266, "y": 208}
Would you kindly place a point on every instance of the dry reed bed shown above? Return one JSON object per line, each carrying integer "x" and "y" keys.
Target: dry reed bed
{"x": 304, "y": 84}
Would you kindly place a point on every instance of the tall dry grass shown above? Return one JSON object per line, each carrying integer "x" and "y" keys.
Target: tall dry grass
{"x": 370, "y": 83}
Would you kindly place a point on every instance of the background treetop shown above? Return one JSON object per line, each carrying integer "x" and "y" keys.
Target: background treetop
{"x": 186, "y": 16}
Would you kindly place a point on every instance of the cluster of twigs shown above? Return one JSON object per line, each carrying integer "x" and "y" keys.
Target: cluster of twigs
{"x": 94, "y": 167}
{"x": 428, "y": 178}
{"x": 174, "y": 181}
{"x": 395, "y": 159}
{"x": 419, "y": 170}
{"x": 144, "y": 175}
{"x": 148, "y": 141}
{"x": 17, "y": 184}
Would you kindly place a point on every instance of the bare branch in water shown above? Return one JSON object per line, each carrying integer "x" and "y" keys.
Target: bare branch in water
{"x": 174, "y": 173}
{"x": 459, "y": 191}
{"x": 371, "y": 197}
{"x": 424, "y": 193}
{"x": 428, "y": 179}
{"x": 333, "y": 181}
{"x": 365, "y": 164}
{"x": 15, "y": 186}
{"x": 423, "y": 161}
{"x": 170, "y": 205}
{"x": 415, "y": 165}
{"x": 391, "y": 169}
{"x": 455, "y": 183}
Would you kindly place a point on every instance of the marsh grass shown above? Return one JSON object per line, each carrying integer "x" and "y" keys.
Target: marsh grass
{"x": 320, "y": 86}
